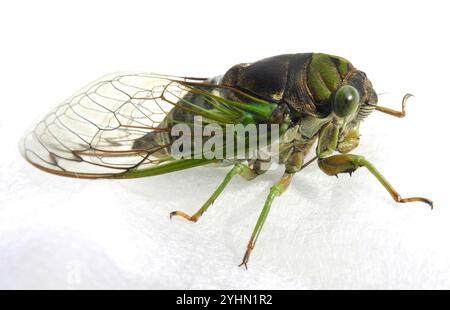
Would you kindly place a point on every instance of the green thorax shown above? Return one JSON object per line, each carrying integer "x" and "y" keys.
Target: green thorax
{"x": 325, "y": 74}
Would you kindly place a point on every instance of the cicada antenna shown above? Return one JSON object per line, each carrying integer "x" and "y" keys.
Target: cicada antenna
{"x": 383, "y": 93}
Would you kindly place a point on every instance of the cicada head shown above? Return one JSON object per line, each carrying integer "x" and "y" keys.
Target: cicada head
{"x": 337, "y": 86}
{"x": 368, "y": 96}
{"x": 354, "y": 100}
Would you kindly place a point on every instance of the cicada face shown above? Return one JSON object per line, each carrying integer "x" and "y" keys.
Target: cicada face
{"x": 353, "y": 101}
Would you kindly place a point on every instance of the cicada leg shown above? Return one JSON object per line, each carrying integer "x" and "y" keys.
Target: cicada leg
{"x": 348, "y": 163}
{"x": 395, "y": 113}
{"x": 238, "y": 169}
{"x": 275, "y": 191}
{"x": 350, "y": 142}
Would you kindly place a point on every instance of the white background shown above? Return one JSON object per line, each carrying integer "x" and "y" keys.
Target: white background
{"x": 323, "y": 233}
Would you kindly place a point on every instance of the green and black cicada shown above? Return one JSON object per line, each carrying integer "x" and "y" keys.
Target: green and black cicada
{"x": 130, "y": 125}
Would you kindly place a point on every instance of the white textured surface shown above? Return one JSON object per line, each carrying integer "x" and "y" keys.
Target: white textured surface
{"x": 323, "y": 233}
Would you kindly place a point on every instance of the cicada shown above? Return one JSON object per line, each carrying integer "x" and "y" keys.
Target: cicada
{"x": 126, "y": 125}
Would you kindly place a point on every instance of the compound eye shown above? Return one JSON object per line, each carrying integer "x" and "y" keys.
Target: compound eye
{"x": 346, "y": 101}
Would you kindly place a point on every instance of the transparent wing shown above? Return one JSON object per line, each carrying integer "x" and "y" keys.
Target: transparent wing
{"x": 109, "y": 127}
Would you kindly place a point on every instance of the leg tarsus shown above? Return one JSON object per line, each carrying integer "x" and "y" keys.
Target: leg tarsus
{"x": 183, "y": 215}
{"x": 415, "y": 199}
{"x": 395, "y": 113}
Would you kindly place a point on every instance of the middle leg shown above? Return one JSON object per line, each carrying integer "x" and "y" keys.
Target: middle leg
{"x": 275, "y": 191}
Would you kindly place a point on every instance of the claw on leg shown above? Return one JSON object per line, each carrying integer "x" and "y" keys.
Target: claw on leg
{"x": 246, "y": 256}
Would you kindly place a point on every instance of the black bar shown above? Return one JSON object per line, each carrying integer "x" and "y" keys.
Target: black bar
{"x": 210, "y": 299}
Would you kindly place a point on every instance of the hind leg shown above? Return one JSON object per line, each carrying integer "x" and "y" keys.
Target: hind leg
{"x": 238, "y": 169}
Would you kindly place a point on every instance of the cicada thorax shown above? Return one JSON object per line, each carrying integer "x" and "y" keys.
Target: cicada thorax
{"x": 306, "y": 82}
{"x": 273, "y": 79}
{"x": 303, "y": 81}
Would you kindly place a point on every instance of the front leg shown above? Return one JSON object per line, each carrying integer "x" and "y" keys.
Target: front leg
{"x": 342, "y": 163}
{"x": 350, "y": 142}
{"x": 335, "y": 164}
